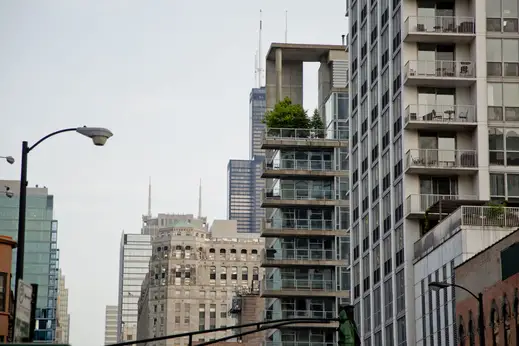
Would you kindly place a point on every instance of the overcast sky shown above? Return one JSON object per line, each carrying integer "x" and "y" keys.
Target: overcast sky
{"x": 170, "y": 78}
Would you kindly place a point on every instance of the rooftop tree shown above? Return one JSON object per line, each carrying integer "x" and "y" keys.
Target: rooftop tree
{"x": 287, "y": 115}
{"x": 316, "y": 124}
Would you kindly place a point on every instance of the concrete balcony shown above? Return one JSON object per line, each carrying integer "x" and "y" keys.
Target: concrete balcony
{"x": 292, "y": 168}
{"x": 440, "y": 117}
{"x": 278, "y": 288}
{"x": 439, "y": 29}
{"x": 296, "y": 138}
{"x": 300, "y": 258}
{"x": 286, "y": 228}
{"x": 417, "y": 204}
{"x": 439, "y": 73}
{"x": 441, "y": 162}
{"x": 271, "y": 315}
{"x": 300, "y": 197}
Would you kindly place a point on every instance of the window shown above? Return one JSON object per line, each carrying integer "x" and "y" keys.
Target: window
{"x": 376, "y": 264}
{"x": 375, "y": 191}
{"x": 398, "y": 196}
{"x": 387, "y": 255}
{"x": 401, "y": 334}
{"x": 503, "y": 103}
{"x": 502, "y": 58}
{"x": 212, "y": 274}
{"x": 494, "y": 324}
{"x": 504, "y": 186}
{"x": 390, "y": 340}
{"x": 244, "y": 273}
{"x": 3, "y": 291}
{"x": 356, "y": 281}
{"x": 503, "y": 145}
{"x": 399, "y": 246}
{"x": 234, "y": 273}
{"x": 400, "y": 292}
{"x": 386, "y": 212}
{"x": 223, "y": 311}
{"x": 367, "y": 314}
{"x": 365, "y": 272}
{"x": 502, "y": 16}
{"x": 377, "y": 308}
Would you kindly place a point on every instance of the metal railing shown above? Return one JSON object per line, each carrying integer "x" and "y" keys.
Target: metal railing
{"x": 441, "y": 158}
{"x": 285, "y": 313}
{"x": 305, "y": 224}
{"x": 300, "y": 254}
{"x": 475, "y": 216}
{"x": 298, "y": 343}
{"x": 440, "y": 113}
{"x": 440, "y": 24}
{"x": 299, "y": 194}
{"x": 278, "y": 133}
{"x": 314, "y": 285}
{"x": 440, "y": 68}
{"x": 294, "y": 164}
{"x": 419, "y": 203}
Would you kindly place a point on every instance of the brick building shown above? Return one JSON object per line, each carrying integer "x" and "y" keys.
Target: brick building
{"x": 7, "y": 244}
{"x": 495, "y": 273}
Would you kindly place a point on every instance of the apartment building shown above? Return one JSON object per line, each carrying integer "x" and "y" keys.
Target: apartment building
{"x": 194, "y": 271}
{"x": 307, "y": 215}
{"x": 111, "y": 324}
{"x": 433, "y": 105}
{"x": 63, "y": 325}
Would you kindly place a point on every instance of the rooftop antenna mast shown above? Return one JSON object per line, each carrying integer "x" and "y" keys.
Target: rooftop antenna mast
{"x": 200, "y": 199}
{"x": 149, "y": 198}
{"x": 286, "y": 26}
{"x": 260, "y": 55}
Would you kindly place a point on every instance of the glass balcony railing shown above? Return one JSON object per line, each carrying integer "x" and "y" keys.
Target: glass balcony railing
{"x": 440, "y": 25}
{"x": 293, "y": 164}
{"x": 440, "y": 68}
{"x": 299, "y": 285}
{"x": 440, "y": 113}
{"x": 285, "y": 313}
{"x": 299, "y": 194}
{"x": 305, "y": 224}
{"x": 419, "y": 203}
{"x": 300, "y": 254}
{"x": 441, "y": 158}
{"x": 278, "y": 133}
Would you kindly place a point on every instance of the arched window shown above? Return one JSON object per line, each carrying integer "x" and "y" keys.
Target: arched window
{"x": 506, "y": 321}
{"x": 461, "y": 332}
{"x": 494, "y": 323}
{"x": 244, "y": 273}
{"x": 472, "y": 332}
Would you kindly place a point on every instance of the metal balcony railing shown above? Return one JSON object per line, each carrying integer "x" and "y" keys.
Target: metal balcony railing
{"x": 419, "y": 203}
{"x": 285, "y": 313}
{"x": 298, "y": 343}
{"x": 440, "y": 24}
{"x": 299, "y": 194}
{"x": 299, "y": 285}
{"x": 293, "y": 164}
{"x": 440, "y": 113}
{"x": 476, "y": 216}
{"x": 441, "y": 158}
{"x": 278, "y": 133}
{"x": 300, "y": 254}
{"x": 305, "y": 224}
{"x": 440, "y": 68}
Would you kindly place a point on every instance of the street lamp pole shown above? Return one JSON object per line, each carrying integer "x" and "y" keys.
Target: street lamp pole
{"x": 98, "y": 135}
{"x": 479, "y": 298}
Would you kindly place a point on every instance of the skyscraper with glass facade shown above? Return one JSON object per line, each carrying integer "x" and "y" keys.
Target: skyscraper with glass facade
{"x": 244, "y": 183}
{"x": 434, "y": 110}
{"x": 41, "y": 251}
{"x": 307, "y": 215}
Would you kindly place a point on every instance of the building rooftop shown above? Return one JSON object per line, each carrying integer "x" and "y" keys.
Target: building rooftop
{"x": 302, "y": 51}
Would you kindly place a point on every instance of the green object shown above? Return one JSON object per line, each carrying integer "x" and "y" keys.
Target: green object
{"x": 348, "y": 335}
{"x": 287, "y": 115}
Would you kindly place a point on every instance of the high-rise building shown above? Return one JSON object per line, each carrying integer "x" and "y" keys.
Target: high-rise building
{"x": 306, "y": 171}
{"x": 111, "y": 324}
{"x": 134, "y": 260}
{"x": 426, "y": 125}
{"x": 41, "y": 251}
{"x": 193, "y": 273}
{"x": 63, "y": 325}
{"x": 244, "y": 183}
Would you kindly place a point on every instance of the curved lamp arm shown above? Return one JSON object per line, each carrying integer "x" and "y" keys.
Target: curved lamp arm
{"x": 50, "y": 135}
{"x": 466, "y": 290}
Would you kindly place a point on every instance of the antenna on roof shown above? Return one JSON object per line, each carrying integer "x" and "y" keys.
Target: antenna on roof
{"x": 256, "y": 82}
{"x": 286, "y": 26}
{"x": 260, "y": 56}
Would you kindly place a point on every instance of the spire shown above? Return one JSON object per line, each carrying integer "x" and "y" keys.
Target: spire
{"x": 200, "y": 199}
{"x": 149, "y": 197}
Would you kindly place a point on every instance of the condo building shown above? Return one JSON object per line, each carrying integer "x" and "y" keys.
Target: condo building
{"x": 63, "y": 325}
{"x": 194, "y": 271}
{"x": 111, "y": 324}
{"x": 433, "y": 117}
{"x": 307, "y": 211}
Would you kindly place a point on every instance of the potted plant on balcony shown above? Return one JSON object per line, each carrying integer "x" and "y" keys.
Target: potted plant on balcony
{"x": 286, "y": 115}
{"x": 494, "y": 214}
{"x": 317, "y": 125}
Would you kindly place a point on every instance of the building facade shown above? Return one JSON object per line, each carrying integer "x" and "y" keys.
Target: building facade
{"x": 135, "y": 253}
{"x": 41, "y": 252}
{"x": 307, "y": 210}
{"x": 7, "y": 244}
{"x": 432, "y": 117}
{"x": 495, "y": 273}
{"x": 257, "y": 109}
{"x": 111, "y": 324}
{"x": 193, "y": 274}
{"x": 63, "y": 325}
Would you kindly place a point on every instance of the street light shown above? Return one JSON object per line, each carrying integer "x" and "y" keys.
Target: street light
{"x": 98, "y": 135}
{"x": 9, "y": 159}
{"x": 481, "y": 319}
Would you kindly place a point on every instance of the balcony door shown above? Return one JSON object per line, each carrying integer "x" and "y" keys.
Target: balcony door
{"x": 435, "y": 103}
{"x": 438, "y": 148}
{"x": 435, "y": 15}
{"x": 436, "y": 60}
{"x": 438, "y": 186}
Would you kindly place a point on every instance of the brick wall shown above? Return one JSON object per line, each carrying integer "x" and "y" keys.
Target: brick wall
{"x": 482, "y": 273}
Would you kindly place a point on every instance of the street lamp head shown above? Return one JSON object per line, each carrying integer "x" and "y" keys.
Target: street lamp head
{"x": 9, "y": 159}
{"x": 99, "y": 135}
{"x": 435, "y": 285}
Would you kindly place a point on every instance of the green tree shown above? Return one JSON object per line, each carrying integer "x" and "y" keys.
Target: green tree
{"x": 316, "y": 123}
{"x": 287, "y": 115}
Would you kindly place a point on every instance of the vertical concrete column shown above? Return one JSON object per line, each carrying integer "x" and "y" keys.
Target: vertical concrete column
{"x": 279, "y": 74}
